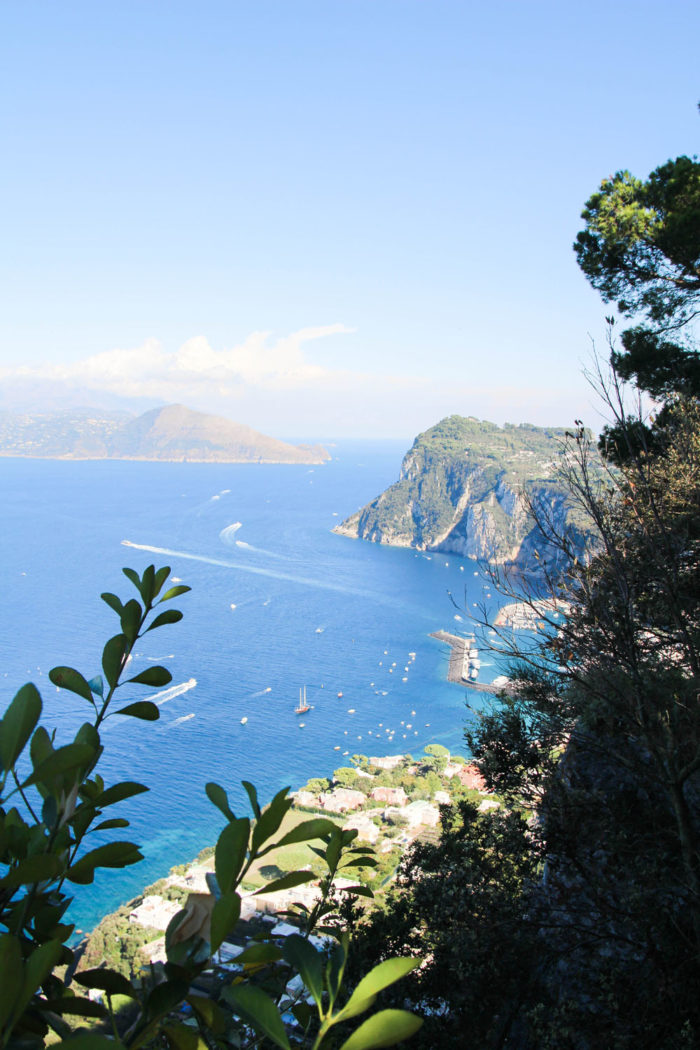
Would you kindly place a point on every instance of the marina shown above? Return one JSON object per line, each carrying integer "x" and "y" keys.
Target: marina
{"x": 460, "y": 649}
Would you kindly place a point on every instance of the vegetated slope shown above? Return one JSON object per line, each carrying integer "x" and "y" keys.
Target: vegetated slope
{"x": 172, "y": 433}
{"x": 465, "y": 487}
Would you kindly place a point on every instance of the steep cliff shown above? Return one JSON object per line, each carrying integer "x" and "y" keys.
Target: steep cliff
{"x": 465, "y": 487}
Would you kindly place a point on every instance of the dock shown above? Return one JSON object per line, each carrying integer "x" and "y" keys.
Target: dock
{"x": 458, "y": 646}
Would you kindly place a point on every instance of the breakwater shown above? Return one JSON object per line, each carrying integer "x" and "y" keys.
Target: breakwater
{"x": 459, "y": 647}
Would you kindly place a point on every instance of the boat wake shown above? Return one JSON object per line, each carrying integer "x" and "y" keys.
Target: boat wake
{"x": 305, "y": 581}
{"x": 174, "y": 690}
{"x": 228, "y": 535}
{"x": 259, "y": 550}
{"x": 182, "y": 718}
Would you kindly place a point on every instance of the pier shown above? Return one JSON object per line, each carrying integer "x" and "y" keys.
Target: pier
{"x": 458, "y": 647}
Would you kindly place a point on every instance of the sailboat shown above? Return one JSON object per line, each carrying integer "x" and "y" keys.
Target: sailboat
{"x": 303, "y": 706}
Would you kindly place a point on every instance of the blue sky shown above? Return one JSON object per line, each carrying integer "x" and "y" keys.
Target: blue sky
{"x": 322, "y": 217}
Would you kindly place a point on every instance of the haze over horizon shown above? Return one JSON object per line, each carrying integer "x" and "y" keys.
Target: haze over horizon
{"x": 322, "y": 219}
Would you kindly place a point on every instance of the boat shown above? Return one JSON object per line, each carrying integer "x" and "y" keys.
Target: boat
{"x": 244, "y": 720}
{"x": 302, "y": 706}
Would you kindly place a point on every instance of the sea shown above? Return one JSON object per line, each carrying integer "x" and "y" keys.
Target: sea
{"x": 278, "y": 603}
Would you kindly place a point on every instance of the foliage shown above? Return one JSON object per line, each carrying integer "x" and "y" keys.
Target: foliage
{"x": 52, "y": 799}
{"x": 641, "y": 248}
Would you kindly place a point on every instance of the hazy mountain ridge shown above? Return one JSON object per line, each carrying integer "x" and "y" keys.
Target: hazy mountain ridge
{"x": 465, "y": 487}
{"x": 173, "y": 433}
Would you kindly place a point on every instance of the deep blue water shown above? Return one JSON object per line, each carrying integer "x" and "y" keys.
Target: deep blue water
{"x": 311, "y": 608}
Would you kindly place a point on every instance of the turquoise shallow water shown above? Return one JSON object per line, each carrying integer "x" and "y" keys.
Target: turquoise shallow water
{"x": 278, "y": 602}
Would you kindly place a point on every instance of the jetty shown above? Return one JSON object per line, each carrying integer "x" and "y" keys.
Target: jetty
{"x": 458, "y": 648}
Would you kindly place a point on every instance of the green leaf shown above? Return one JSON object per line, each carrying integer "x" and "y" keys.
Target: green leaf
{"x": 111, "y": 855}
{"x": 183, "y": 1037}
{"x": 218, "y": 796}
{"x": 306, "y": 961}
{"x": 97, "y": 685}
{"x": 210, "y": 1012}
{"x": 259, "y": 955}
{"x": 159, "y": 579}
{"x": 40, "y": 963}
{"x": 359, "y": 862}
{"x": 76, "y": 1006}
{"x": 175, "y": 592}
{"x": 148, "y": 583}
{"x": 113, "y": 602}
{"x": 270, "y": 819}
{"x": 224, "y": 916}
{"x": 64, "y": 759}
{"x": 155, "y": 676}
{"x": 310, "y": 829}
{"x": 230, "y": 853}
{"x": 40, "y": 747}
{"x": 294, "y": 878}
{"x": 72, "y": 680}
{"x": 260, "y": 1011}
{"x": 11, "y": 976}
{"x": 166, "y": 617}
{"x": 146, "y": 710}
{"x": 357, "y": 891}
{"x": 131, "y": 619}
{"x": 118, "y": 792}
{"x": 383, "y": 975}
{"x": 88, "y": 1041}
{"x": 134, "y": 577}
{"x": 107, "y": 980}
{"x": 253, "y": 796}
{"x": 18, "y": 724}
{"x": 40, "y": 868}
{"x": 165, "y": 997}
{"x": 114, "y": 822}
{"x": 113, "y": 658}
{"x": 387, "y": 1028}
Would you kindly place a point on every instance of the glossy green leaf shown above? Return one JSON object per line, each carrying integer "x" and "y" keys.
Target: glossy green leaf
{"x": 357, "y": 891}
{"x": 253, "y": 796}
{"x": 18, "y": 724}
{"x": 131, "y": 619}
{"x": 113, "y": 602}
{"x": 33, "y": 869}
{"x": 230, "y": 853}
{"x": 11, "y": 975}
{"x": 111, "y": 855}
{"x": 146, "y": 710}
{"x": 269, "y": 821}
{"x": 75, "y": 1006}
{"x": 386, "y": 1028}
{"x": 310, "y": 829}
{"x": 148, "y": 583}
{"x": 64, "y": 759}
{"x": 72, "y": 680}
{"x": 218, "y": 796}
{"x": 40, "y": 747}
{"x": 224, "y": 916}
{"x": 294, "y": 878}
{"x": 40, "y": 963}
{"x": 97, "y": 685}
{"x": 359, "y": 862}
{"x": 113, "y": 656}
{"x": 307, "y": 962}
{"x": 165, "y": 997}
{"x": 210, "y": 1013}
{"x": 134, "y": 578}
{"x": 114, "y": 822}
{"x": 183, "y": 1037}
{"x": 379, "y": 978}
{"x": 175, "y": 592}
{"x": 259, "y": 954}
{"x": 118, "y": 792}
{"x": 164, "y": 618}
{"x": 159, "y": 579}
{"x": 260, "y": 1011}
{"x": 155, "y": 676}
{"x": 107, "y": 981}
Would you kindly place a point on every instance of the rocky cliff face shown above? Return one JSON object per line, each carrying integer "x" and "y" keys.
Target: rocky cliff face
{"x": 465, "y": 487}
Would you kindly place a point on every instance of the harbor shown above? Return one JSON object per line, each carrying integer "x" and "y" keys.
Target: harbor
{"x": 459, "y": 659}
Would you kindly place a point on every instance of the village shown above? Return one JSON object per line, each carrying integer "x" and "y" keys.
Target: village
{"x": 390, "y": 801}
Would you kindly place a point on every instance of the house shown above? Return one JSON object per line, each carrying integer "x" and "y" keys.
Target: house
{"x": 155, "y": 912}
{"x": 421, "y": 814}
{"x": 442, "y": 798}
{"x": 305, "y": 798}
{"x": 341, "y": 800}
{"x": 467, "y": 774}
{"x": 366, "y": 829}
{"x": 388, "y": 762}
{"x": 394, "y": 796}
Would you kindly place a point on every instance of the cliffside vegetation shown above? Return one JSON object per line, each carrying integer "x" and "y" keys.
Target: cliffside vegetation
{"x": 467, "y": 487}
{"x": 575, "y": 924}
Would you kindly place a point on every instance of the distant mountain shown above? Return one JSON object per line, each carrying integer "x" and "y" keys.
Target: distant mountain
{"x": 173, "y": 433}
{"x": 464, "y": 488}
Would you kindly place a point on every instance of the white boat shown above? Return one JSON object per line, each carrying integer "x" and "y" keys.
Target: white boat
{"x": 244, "y": 720}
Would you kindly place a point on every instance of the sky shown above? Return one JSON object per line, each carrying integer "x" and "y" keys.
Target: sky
{"x": 321, "y": 218}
